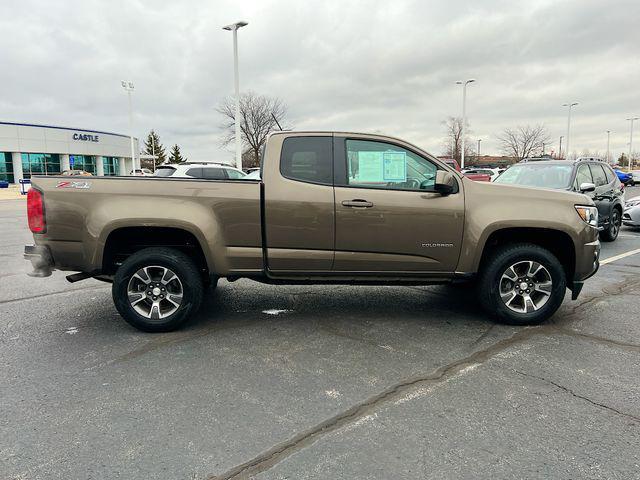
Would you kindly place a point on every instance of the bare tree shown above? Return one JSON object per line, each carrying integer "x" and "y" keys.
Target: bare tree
{"x": 524, "y": 141}
{"x": 453, "y": 140}
{"x": 259, "y": 116}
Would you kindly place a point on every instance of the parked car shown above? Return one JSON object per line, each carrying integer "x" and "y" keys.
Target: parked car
{"x": 631, "y": 214}
{"x": 635, "y": 177}
{"x": 492, "y": 172}
{"x": 591, "y": 177}
{"x": 142, "y": 172}
{"x": 624, "y": 177}
{"x": 75, "y": 173}
{"x": 208, "y": 170}
{"x": 252, "y": 169}
{"x": 4, "y": 184}
{"x": 479, "y": 177}
{"x": 331, "y": 208}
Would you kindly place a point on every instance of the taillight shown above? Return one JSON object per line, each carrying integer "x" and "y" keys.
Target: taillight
{"x": 35, "y": 211}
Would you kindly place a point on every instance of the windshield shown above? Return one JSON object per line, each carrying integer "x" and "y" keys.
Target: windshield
{"x": 164, "y": 171}
{"x": 537, "y": 175}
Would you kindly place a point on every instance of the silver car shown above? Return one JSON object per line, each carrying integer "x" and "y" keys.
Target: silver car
{"x": 631, "y": 213}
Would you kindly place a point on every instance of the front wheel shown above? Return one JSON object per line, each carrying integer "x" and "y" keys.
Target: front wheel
{"x": 612, "y": 231}
{"x": 522, "y": 284}
{"x": 157, "y": 289}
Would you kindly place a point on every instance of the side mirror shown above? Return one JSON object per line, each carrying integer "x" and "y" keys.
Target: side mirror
{"x": 445, "y": 183}
{"x": 587, "y": 187}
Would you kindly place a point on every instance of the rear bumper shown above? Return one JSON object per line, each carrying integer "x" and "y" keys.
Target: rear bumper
{"x": 40, "y": 258}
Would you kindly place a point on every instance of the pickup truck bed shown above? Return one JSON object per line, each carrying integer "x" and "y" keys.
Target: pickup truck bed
{"x": 230, "y": 208}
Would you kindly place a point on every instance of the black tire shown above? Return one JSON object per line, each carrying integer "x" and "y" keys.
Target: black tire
{"x": 491, "y": 282}
{"x": 615, "y": 222}
{"x": 166, "y": 316}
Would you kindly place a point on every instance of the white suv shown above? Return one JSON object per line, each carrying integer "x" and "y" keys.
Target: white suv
{"x": 210, "y": 171}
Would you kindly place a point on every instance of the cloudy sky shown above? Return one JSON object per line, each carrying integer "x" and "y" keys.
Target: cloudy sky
{"x": 378, "y": 66}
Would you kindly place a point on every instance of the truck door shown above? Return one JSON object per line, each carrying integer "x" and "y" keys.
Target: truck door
{"x": 299, "y": 217}
{"x": 388, "y": 218}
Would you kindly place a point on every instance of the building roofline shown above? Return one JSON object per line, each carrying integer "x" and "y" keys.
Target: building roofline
{"x": 64, "y": 128}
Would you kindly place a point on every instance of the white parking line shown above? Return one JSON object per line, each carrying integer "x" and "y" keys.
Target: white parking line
{"x": 618, "y": 257}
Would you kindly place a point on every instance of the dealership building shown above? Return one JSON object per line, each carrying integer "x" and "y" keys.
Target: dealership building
{"x": 28, "y": 149}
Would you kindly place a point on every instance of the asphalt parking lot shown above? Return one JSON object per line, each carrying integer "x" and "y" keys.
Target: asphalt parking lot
{"x": 278, "y": 382}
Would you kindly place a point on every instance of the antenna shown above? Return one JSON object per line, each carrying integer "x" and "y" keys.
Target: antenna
{"x": 276, "y": 120}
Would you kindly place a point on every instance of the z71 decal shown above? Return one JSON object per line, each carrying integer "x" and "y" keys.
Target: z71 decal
{"x": 81, "y": 185}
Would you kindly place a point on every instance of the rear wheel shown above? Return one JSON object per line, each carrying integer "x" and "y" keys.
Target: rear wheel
{"x": 157, "y": 289}
{"x": 523, "y": 284}
{"x": 612, "y": 231}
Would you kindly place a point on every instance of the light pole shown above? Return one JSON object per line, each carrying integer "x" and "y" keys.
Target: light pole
{"x": 569, "y": 125}
{"x": 234, "y": 28}
{"x": 608, "y": 136}
{"x": 478, "y": 155}
{"x": 464, "y": 113}
{"x": 560, "y": 148}
{"x": 128, "y": 86}
{"x": 632, "y": 119}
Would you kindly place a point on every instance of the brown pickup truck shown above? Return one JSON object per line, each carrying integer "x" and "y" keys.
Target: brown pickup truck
{"x": 339, "y": 208}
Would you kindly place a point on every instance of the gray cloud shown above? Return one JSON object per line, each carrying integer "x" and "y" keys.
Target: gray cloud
{"x": 365, "y": 66}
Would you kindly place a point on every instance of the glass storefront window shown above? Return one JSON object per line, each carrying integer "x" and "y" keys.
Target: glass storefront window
{"x": 40, "y": 164}
{"x": 6, "y": 167}
{"x": 83, "y": 162}
{"x": 111, "y": 166}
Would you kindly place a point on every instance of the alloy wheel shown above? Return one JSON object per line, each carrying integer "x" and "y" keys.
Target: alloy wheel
{"x": 155, "y": 292}
{"x": 616, "y": 220}
{"x": 525, "y": 286}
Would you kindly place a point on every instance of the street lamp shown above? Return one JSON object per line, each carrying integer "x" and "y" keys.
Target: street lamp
{"x": 464, "y": 113}
{"x": 128, "y": 86}
{"x": 632, "y": 119}
{"x": 569, "y": 125}
{"x": 608, "y": 136}
{"x": 234, "y": 28}
{"x": 560, "y": 148}
{"x": 478, "y": 155}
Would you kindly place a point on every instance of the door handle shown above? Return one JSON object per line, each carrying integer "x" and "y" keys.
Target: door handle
{"x": 357, "y": 203}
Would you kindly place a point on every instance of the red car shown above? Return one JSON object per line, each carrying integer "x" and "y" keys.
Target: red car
{"x": 478, "y": 177}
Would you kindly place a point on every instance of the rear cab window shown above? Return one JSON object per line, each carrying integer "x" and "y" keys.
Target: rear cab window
{"x": 307, "y": 159}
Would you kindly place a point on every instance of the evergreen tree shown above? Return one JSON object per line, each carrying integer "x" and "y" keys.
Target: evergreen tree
{"x": 152, "y": 145}
{"x": 175, "y": 156}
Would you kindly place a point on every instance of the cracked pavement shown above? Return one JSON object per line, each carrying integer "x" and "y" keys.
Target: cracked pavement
{"x": 341, "y": 382}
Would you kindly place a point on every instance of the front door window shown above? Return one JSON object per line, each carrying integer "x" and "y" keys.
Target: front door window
{"x": 383, "y": 165}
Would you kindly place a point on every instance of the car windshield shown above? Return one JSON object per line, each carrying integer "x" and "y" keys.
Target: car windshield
{"x": 164, "y": 171}
{"x": 537, "y": 175}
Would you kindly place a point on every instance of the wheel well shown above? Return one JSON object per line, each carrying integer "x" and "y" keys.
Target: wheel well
{"x": 557, "y": 242}
{"x": 123, "y": 242}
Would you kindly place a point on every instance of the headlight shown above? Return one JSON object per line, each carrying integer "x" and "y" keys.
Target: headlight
{"x": 588, "y": 214}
